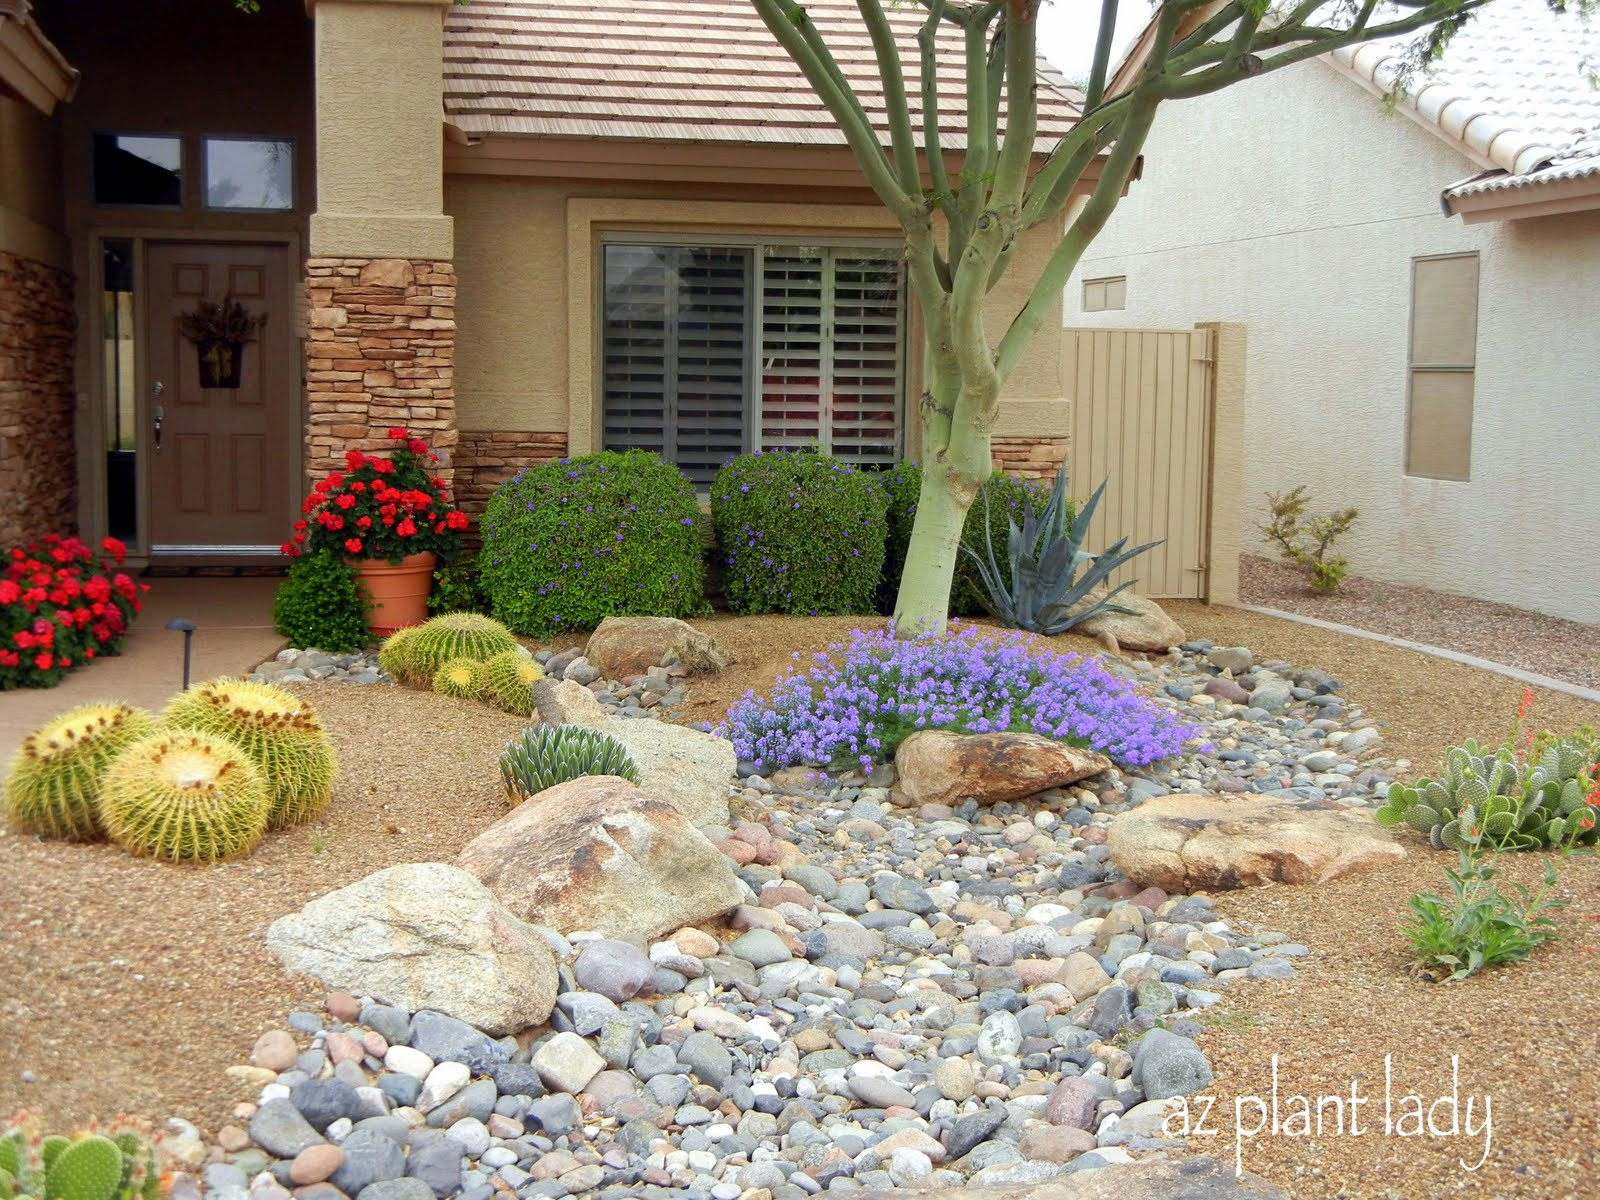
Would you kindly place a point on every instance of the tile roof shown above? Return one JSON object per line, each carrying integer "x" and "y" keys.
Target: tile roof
{"x": 1513, "y": 91}
{"x": 682, "y": 71}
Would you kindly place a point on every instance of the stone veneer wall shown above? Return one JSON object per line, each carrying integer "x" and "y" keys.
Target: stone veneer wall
{"x": 1030, "y": 457}
{"x": 380, "y": 352}
{"x": 484, "y": 459}
{"x": 38, "y": 463}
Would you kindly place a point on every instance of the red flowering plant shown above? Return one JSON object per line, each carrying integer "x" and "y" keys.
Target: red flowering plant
{"x": 381, "y": 507}
{"x": 62, "y": 605}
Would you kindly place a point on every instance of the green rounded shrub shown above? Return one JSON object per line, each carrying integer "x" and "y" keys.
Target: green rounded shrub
{"x": 462, "y": 678}
{"x": 546, "y": 755}
{"x": 280, "y": 731}
{"x": 798, "y": 532}
{"x": 509, "y": 679}
{"x": 456, "y": 589}
{"x": 185, "y": 796}
{"x": 454, "y": 635}
{"x": 1009, "y": 498}
{"x": 53, "y": 783}
{"x": 320, "y": 604}
{"x": 572, "y": 542}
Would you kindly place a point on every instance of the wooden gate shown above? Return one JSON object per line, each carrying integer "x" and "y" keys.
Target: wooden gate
{"x": 1143, "y": 408}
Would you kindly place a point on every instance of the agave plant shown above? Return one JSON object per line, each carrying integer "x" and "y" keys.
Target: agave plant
{"x": 1046, "y": 593}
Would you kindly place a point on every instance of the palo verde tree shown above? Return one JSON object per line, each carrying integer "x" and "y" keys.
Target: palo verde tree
{"x": 962, "y": 227}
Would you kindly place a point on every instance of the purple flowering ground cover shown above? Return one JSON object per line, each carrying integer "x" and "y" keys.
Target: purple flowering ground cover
{"x": 859, "y": 700}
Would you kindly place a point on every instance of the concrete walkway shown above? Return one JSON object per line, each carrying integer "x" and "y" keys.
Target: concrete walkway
{"x": 233, "y": 632}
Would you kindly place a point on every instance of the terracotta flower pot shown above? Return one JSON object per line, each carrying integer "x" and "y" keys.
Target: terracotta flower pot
{"x": 397, "y": 593}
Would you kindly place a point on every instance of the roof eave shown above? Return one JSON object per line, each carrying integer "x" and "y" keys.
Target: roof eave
{"x": 31, "y": 68}
{"x": 1533, "y": 198}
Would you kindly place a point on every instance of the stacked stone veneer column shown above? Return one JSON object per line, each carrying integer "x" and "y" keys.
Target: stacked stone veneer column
{"x": 380, "y": 352}
{"x": 38, "y": 467}
{"x": 1029, "y": 457}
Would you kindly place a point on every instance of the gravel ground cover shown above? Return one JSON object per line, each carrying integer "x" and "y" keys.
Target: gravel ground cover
{"x": 134, "y": 987}
{"x": 1515, "y": 637}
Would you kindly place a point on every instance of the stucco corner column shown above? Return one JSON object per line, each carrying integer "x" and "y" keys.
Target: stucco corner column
{"x": 380, "y": 279}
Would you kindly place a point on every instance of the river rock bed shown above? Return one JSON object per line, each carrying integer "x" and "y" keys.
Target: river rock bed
{"x": 910, "y": 996}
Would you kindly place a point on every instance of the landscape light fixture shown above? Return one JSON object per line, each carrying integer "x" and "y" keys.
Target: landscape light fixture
{"x": 187, "y": 629}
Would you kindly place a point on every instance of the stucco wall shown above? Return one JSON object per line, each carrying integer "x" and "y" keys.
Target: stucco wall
{"x": 1294, "y": 204}
{"x": 30, "y": 184}
{"x": 525, "y": 306}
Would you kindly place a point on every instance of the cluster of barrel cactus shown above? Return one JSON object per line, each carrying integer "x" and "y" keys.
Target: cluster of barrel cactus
{"x": 546, "y": 755}
{"x": 227, "y": 760}
{"x": 465, "y": 655}
{"x": 119, "y": 1165}
{"x": 1494, "y": 796}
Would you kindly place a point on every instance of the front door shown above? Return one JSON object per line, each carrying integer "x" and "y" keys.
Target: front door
{"x": 222, "y": 458}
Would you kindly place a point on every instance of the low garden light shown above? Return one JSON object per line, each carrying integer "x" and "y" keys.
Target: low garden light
{"x": 186, "y": 628}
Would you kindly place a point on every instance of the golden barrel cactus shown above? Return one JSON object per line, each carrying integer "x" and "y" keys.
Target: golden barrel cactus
{"x": 185, "y": 796}
{"x": 508, "y": 681}
{"x": 278, "y": 729}
{"x": 456, "y": 635}
{"x": 394, "y": 656}
{"x": 462, "y": 678}
{"x": 53, "y": 783}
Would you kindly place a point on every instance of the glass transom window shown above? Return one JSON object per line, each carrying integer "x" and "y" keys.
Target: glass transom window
{"x": 711, "y": 351}
{"x": 249, "y": 173}
{"x": 138, "y": 170}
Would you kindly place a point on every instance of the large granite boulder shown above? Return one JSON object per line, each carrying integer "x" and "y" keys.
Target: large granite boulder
{"x": 1213, "y": 843}
{"x": 623, "y": 647}
{"x": 598, "y": 853}
{"x": 424, "y": 936}
{"x": 937, "y": 766}
{"x": 1145, "y": 627}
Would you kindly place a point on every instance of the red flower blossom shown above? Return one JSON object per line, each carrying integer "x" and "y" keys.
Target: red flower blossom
{"x": 43, "y": 661}
{"x": 399, "y": 434}
{"x": 353, "y": 545}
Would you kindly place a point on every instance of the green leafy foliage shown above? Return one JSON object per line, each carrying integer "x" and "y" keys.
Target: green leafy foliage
{"x": 1475, "y": 925}
{"x": 320, "y": 605}
{"x": 1002, "y": 500}
{"x": 798, "y": 532}
{"x": 456, "y": 589}
{"x": 1043, "y": 591}
{"x": 544, "y": 756}
{"x": 1309, "y": 541}
{"x": 570, "y": 543}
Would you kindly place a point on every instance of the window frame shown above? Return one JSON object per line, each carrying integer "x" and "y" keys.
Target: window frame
{"x": 204, "y": 158}
{"x": 1104, "y": 282}
{"x": 1415, "y": 368}
{"x": 756, "y": 244}
{"x": 185, "y": 174}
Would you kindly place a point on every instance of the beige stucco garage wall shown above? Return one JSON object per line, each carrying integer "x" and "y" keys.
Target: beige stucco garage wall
{"x": 30, "y": 185}
{"x": 524, "y": 262}
{"x": 1294, "y": 204}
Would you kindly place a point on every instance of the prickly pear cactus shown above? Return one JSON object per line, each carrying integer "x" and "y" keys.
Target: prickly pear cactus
{"x": 278, "y": 729}
{"x": 89, "y": 1169}
{"x": 53, "y": 784}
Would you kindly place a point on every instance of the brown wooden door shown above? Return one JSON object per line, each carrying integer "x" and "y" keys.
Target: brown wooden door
{"x": 223, "y": 462}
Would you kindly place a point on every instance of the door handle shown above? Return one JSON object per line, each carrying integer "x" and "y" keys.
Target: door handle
{"x": 160, "y": 415}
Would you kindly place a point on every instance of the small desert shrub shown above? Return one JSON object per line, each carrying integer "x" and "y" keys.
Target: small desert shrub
{"x": 1309, "y": 542}
{"x": 572, "y": 542}
{"x": 860, "y": 701}
{"x": 320, "y": 604}
{"x": 456, "y": 589}
{"x": 1009, "y": 499}
{"x": 798, "y": 532}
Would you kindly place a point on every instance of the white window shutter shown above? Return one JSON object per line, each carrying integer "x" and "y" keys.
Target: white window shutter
{"x": 791, "y": 373}
{"x": 867, "y": 327}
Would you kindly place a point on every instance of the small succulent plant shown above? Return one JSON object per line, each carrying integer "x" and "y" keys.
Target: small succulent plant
{"x": 53, "y": 784}
{"x": 455, "y": 635}
{"x": 278, "y": 729}
{"x": 462, "y": 678}
{"x": 394, "y": 656}
{"x": 1520, "y": 806}
{"x": 544, "y": 756}
{"x": 184, "y": 795}
{"x": 508, "y": 681}
{"x": 119, "y": 1165}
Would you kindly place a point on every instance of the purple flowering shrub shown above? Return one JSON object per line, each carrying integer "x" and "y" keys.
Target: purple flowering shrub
{"x": 860, "y": 701}
{"x": 798, "y": 532}
{"x": 572, "y": 542}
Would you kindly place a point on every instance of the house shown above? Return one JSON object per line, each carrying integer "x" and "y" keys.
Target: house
{"x": 1420, "y": 288}
{"x": 521, "y": 229}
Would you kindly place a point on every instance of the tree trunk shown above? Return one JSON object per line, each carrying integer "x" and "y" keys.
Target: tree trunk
{"x": 950, "y": 483}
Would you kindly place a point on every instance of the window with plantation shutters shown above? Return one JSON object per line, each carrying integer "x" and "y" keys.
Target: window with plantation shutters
{"x": 712, "y": 351}
{"x": 676, "y": 353}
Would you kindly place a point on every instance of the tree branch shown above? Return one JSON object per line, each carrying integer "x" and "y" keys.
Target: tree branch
{"x": 894, "y": 95}
{"x": 1102, "y": 54}
{"x": 928, "y": 45}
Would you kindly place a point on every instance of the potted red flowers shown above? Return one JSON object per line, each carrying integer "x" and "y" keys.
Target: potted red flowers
{"x": 62, "y": 605}
{"x": 391, "y": 520}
